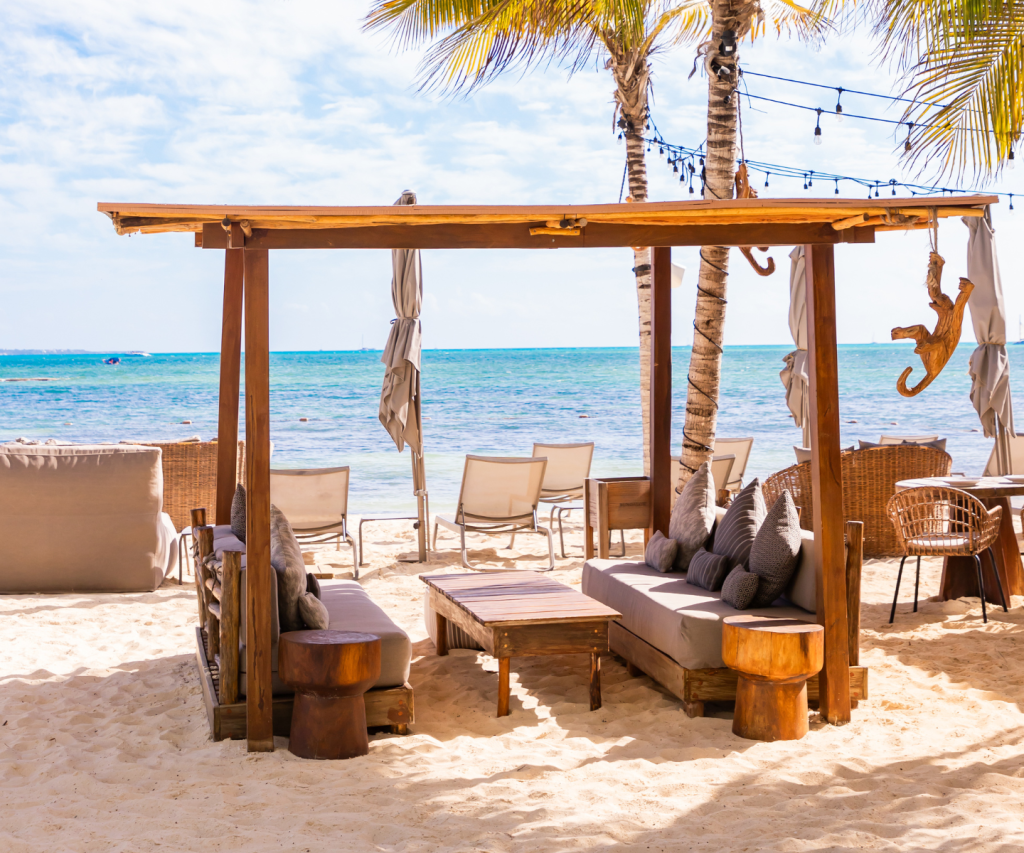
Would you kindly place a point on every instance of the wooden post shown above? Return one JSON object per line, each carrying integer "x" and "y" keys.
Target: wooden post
{"x": 230, "y": 613}
{"x": 827, "y": 482}
{"x": 204, "y": 546}
{"x": 589, "y": 496}
{"x": 259, "y": 704}
{"x": 661, "y": 388}
{"x": 230, "y": 362}
{"x": 854, "y": 565}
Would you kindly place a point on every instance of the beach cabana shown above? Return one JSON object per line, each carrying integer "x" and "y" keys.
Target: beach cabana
{"x": 248, "y": 235}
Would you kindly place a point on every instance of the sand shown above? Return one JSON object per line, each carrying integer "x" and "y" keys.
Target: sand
{"x": 105, "y": 745}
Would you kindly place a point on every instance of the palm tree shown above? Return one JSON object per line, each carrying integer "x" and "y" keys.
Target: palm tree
{"x": 731, "y": 21}
{"x": 476, "y": 40}
{"x": 965, "y": 58}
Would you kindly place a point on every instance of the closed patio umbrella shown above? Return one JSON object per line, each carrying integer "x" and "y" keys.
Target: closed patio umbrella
{"x": 989, "y": 364}
{"x": 400, "y": 411}
{"x": 794, "y": 374}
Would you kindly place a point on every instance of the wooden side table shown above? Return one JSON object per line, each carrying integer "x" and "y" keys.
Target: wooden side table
{"x": 774, "y": 658}
{"x": 613, "y": 503}
{"x": 329, "y": 671}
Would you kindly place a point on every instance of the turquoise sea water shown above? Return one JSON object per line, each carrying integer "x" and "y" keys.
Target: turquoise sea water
{"x": 478, "y": 401}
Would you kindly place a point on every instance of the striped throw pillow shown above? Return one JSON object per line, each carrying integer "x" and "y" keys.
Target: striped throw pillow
{"x": 708, "y": 570}
{"x": 734, "y": 536}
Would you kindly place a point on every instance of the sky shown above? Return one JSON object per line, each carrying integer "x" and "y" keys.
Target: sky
{"x": 290, "y": 102}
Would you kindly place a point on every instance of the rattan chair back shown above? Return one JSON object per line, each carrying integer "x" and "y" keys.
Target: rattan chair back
{"x": 939, "y": 521}
{"x": 869, "y": 481}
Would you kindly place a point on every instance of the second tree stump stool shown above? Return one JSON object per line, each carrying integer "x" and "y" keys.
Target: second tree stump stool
{"x": 329, "y": 671}
{"x": 774, "y": 659}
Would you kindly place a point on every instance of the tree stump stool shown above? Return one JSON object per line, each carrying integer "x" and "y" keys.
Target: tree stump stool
{"x": 329, "y": 671}
{"x": 774, "y": 658}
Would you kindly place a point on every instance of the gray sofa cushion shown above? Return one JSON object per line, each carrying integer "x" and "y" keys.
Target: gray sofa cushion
{"x": 708, "y": 571}
{"x": 351, "y": 609}
{"x": 238, "y": 513}
{"x": 734, "y": 535}
{"x": 681, "y": 620}
{"x": 661, "y": 552}
{"x": 286, "y": 558}
{"x": 776, "y": 549}
{"x": 693, "y": 516}
{"x": 740, "y": 588}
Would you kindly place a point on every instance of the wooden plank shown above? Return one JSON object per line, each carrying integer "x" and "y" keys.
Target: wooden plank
{"x": 854, "y": 564}
{"x": 595, "y": 681}
{"x": 661, "y": 389}
{"x": 230, "y": 365}
{"x": 827, "y": 482}
{"x": 231, "y": 605}
{"x": 503, "y": 686}
{"x": 555, "y": 639}
{"x": 517, "y": 236}
{"x": 259, "y": 699}
{"x": 589, "y": 501}
{"x": 206, "y": 682}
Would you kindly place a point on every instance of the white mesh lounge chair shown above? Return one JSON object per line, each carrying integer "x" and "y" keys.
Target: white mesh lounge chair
{"x": 568, "y": 468}
{"x": 721, "y": 470}
{"x": 498, "y": 495}
{"x": 740, "y": 448}
{"x": 315, "y": 502}
{"x": 909, "y": 439}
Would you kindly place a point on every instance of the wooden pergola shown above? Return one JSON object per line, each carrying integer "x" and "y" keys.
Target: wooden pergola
{"x": 247, "y": 234}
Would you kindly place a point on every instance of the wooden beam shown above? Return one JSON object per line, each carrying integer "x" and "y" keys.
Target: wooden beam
{"x": 517, "y": 236}
{"x": 230, "y": 364}
{"x": 259, "y": 699}
{"x": 661, "y": 388}
{"x": 827, "y": 481}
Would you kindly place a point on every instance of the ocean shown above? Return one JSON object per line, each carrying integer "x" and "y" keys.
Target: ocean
{"x": 491, "y": 402}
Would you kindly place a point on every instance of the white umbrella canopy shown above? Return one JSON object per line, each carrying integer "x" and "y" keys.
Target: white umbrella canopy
{"x": 794, "y": 374}
{"x": 399, "y": 399}
{"x": 400, "y": 408}
{"x": 989, "y": 364}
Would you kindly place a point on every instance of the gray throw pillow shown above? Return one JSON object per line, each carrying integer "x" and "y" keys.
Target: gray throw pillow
{"x": 693, "y": 516}
{"x": 660, "y": 552}
{"x": 776, "y": 549}
{"x": 286, "y": 558}
{"x": 708, "y": 571}
{"x": 740, "y": 588}
{"x": 238, "y": 513}
{"x": 313, "y": 585}
{"x": 313, "y": 612}
{"x": 735, "y": 533}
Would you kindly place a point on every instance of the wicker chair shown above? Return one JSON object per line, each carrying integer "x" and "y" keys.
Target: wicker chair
{"x": 190, "y": 477}
{"x": 937, "y": 521}
{"x": 869, "y": 480}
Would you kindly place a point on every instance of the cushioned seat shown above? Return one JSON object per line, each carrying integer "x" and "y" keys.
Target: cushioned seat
{"x": 681, "y": 620}
{"x": 350, "y": 609}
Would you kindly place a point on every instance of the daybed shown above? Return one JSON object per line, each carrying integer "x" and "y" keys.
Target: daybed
{"x": 388, "y": 703}
{"x": 672, "y": 630}
{"x": 83, "y": 518}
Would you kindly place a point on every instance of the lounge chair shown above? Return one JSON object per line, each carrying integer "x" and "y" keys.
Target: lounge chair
{"x": 315, "y": 501}
{"x": 721, "y": 472}
{"x": 740, "y": 448}
{"x": 498, "y": 495}
{"x": 568, "y": 467}
{"x": 907, "y": 439}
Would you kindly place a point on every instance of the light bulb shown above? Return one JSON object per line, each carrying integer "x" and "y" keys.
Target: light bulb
{"x": 817, "y": 136}
{"x": 839, "y": 112}
{"x": 1010, "y": 163}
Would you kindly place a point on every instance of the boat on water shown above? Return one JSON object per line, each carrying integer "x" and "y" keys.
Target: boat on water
{"x": 139, "y": 353}
{"x": 112, "y": 360}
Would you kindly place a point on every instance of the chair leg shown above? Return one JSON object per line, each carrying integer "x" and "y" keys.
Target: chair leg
{"x": 465, "y": 556}
{"x": 896, "y": 595}
{"x": 512, "y": 540}
{"x": 435, "y": 536}
{"x": 551, "y": 549}
{"x": 355, "y": 555}
{"x": 561, "y": 534}
{"x": 981, "y": 587}
{"x": 999, "y": 580}
{"x": 622, "y": 533}
{"x": 917, "y": 582}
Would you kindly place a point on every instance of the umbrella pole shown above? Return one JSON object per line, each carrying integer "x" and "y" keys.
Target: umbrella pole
{"x": 419, "y": 480}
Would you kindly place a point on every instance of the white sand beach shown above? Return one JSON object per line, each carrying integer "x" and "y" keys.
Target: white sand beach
{"x": 105, "y": 743}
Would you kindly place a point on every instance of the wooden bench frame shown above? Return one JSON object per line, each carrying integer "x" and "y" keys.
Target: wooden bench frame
{"x": 694, "y": 687}
{"x": 217, "y": 653}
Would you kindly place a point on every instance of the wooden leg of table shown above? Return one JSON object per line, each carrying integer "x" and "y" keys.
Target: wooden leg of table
{"x": 770, "y": 710}
{"x": 632, "y": 670}
{"x": 595, "y": 681}
{"x": 442, "y": 634}
{"x": 503, "y": 686}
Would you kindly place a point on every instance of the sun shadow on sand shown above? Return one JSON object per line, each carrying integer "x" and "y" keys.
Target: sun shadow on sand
{"x": 91, "y": 600}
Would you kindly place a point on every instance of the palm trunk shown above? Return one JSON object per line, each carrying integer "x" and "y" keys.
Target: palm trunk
{"x": 632, "y": 73}
{"x": 709, "y": 322}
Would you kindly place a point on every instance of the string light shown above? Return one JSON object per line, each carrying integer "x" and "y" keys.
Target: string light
{"x": 817, "y": 129}
{"x": 1010, "y": 163}
{"x": 906, "y": 145}
{"x": 839, "y": 106}
{"x": 767, "y": 175}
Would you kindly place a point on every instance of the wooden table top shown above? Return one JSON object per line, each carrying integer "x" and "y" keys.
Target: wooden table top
{"x": 986, "y": 487}
{"x": 773, "y": 624}
{"x": 502, "y": 598}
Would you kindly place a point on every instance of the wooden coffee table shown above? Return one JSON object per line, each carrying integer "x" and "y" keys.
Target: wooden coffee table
{"x": 521, "y": 614}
